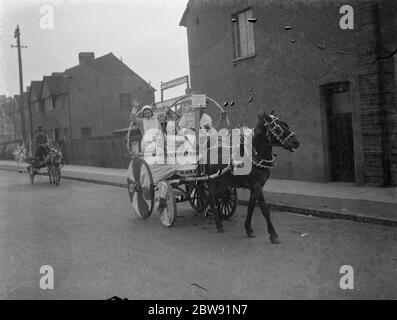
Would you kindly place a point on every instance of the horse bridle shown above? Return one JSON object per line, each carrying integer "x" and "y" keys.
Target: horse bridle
{"x": 277, "y": 131}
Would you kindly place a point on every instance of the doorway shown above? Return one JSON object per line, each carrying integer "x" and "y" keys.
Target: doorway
{"x": 339, "y": 110}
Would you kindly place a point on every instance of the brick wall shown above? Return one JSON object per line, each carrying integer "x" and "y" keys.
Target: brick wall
{"x": 376, "y": 24}
{"x": 285, "y": 75}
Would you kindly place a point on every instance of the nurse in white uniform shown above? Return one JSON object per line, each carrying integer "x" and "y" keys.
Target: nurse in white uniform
{"x": 152, "y": 137}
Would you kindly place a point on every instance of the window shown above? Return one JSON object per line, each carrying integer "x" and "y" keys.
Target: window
{"x": 64, "y": 101}
{"x": 86, "y": 132}
{"x": 48, "y": 105}
{"x": 125, "y": 100}
{"x": 57, "y": 134}
{"x": 66, "y": 133}
{"x": 50, "y": 134}
{"x": 60, "y": 102}
{"x": 35, "y": 107}
{"x": 243, "y": 34}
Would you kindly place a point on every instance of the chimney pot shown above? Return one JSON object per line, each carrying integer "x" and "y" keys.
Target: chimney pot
{"x": 86, "y": 57}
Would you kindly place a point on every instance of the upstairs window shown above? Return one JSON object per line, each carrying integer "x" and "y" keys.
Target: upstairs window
{"x": 50, "y": 134}
{"x": 66, "y": 133}
{"x": 57, "y": 134}
{"x": 125, "y": 101}
{"x": 243, "y": 34}
{"x": 48, "y": 105}
{"x": 36, "y": 107}
{"x": 86, "y": 132}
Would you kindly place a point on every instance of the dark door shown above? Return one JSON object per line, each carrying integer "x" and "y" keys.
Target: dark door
{"x": 341, "y": 135}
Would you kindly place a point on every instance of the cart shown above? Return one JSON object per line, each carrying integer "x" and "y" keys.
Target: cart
{"x": 53, "y": 164}
{"x": 153, "y": 185}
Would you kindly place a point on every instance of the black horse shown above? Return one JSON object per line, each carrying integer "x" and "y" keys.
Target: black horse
{"x": 270, "y": 132}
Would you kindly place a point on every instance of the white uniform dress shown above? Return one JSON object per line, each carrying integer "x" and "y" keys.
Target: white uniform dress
{"x": 152, "y": 140}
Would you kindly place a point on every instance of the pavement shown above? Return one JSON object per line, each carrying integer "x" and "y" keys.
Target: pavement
{"x": 97, "y": 249}
{"x": 333, "y": 200}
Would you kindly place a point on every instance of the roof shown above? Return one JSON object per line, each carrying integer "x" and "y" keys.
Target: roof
{"x": 55, "y": 83}
{"x": 109, "y": 64}
{"x": 35, "y": 86}
{"x": 17, "y": 100}
{"x": 182, "y": 23}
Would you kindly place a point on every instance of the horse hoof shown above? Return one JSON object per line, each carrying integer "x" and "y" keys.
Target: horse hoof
{"x": 275, "y": 240}
{"x": 251, "y": 234}
{"x": 220, "y": 230}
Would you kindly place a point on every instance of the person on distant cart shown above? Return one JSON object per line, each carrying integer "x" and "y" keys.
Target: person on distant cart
{"x": 41, "y": 145}
{"x": 150, "y": 126}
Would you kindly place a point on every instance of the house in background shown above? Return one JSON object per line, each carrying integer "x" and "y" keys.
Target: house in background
{"x": 6, "y": 119}
{"x": 16, "y": 115}
{"x": 85, "y": 102}
{"x": 293, "y": 57}
{"x": 91, "y": 99}
{"x": 100, "y": 93}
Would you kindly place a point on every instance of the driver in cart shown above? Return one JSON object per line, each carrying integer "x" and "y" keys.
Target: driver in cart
{"x": 42, "y": 148}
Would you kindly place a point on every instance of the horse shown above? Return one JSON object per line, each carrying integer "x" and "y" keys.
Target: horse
{"x": 20, "y": 153}
{"x": 54, "y": 162}
{"x": 270, "y": 132}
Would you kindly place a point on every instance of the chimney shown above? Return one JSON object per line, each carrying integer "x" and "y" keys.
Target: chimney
{"x": 86, "y": 57}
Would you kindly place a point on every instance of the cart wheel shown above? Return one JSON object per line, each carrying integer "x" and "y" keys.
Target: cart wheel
{"x": 198, "y": 195}
{"x": 166, "y": 203}
{"x": 31, "y": 173}
{"x": 228, "y": 203}
{"x": 141, "y": 190}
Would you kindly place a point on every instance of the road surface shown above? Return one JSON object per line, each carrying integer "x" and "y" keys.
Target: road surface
{"x": 98, "y": 249}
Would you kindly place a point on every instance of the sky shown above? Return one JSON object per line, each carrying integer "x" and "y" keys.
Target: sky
{"x": 144, "y": 33}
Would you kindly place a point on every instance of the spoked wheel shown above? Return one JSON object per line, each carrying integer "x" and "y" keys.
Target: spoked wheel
{"x": 228, "y": 203}
{"x": 198, "y": 195}
{"x": 141, "y": 188}
{"x": 166, "y": 203}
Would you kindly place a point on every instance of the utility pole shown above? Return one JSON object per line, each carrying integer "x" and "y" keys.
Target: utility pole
{"x": 22, "y": 106}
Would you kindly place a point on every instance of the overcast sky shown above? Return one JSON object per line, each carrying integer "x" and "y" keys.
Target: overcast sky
{"x": 145, "y": 33}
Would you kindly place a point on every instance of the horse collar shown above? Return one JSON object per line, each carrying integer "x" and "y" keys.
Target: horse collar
{"x": 262, "y": 163}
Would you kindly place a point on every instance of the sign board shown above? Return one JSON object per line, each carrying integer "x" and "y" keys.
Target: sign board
{"x": 191, "y": 112}
{"x": 197, "y": 101}
{"x": 175, "y": 82}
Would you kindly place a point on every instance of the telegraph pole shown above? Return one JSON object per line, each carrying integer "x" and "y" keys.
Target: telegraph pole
{"x": 22, "y": 105}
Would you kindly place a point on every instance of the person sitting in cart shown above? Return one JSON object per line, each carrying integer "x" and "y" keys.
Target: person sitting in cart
{"x": 41, "y": 144}
{"x": 187, "y": 122}
{"x": 150, "y": 128}
{"x": 171, "y": 117}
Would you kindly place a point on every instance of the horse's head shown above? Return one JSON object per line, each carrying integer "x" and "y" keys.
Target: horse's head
{"x": 275, "y": 132}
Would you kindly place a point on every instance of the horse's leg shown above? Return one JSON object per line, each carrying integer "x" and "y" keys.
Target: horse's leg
{"x": 214, "y": 207}
{"x": 49, "y": 173}
{"x": 266, "y": 213}
{"x": 251, "y": 207}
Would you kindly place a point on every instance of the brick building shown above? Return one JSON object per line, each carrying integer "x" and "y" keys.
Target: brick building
{"x": 91, "y": 99}
{"x": 293, "y": 57}
{"x": 6, "y": 119}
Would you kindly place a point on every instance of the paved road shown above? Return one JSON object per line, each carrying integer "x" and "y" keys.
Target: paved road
{"x": 98, "y": 249}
